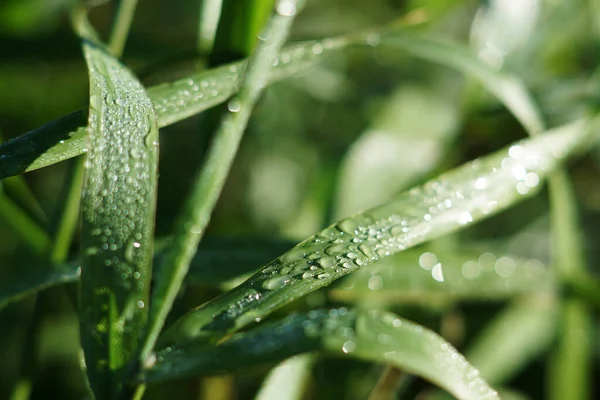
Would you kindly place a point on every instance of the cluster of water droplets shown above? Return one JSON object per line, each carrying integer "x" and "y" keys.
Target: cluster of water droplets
{"x": 186, "y": 97}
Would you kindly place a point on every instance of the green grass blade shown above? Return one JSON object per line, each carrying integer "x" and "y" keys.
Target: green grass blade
{"x": 570, "y": 368}
{"x": 374, "y": 335}
{"x": 219, "y": 260}
{"x": 69, "y": 216}
{"x": 30, "y": 280}
{"x": 439, "y": 278}
{"x": 288, "y": 380}
{"x": 216, "y": 261}
{"x": 118, "y": 206}
{"x": 34, "y": 236}
{"x": 196, "y": 213}
{"x": 208, "y": 20}
{"x": 65, "y": 137}
{"x": 121, "y": 25}
{"x": 521, "y": 332}
{"x": 507, "y": 88}
{"x": 455, "y": 199}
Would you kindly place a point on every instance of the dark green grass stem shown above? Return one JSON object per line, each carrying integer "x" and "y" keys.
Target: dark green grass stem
{"x": 195, "y": 215}
{"x": 121, "y": 25}
{"x": 67, "y": 224}
{"x": 30, "y": 232}
{"x": 240, "y": 23}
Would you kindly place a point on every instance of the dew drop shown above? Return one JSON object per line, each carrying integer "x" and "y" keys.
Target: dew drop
{"x": 234, "y": 105}
{"x": 348, "y": 347}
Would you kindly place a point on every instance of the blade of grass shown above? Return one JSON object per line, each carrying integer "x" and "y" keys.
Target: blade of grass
{"x": 121, "y": 25}
{"x": 521, "y": 332}
{"x": 374, "y": 335}
{"x": 455, "y": 199}
{"x": 69, "y": 216}
{"x": 208, "y": 19}
{"x": 196, "y": 212}
{"x": 65, "y": 137}
{"x": 32, "y": 280}
{"x": 36, "y": 238}
{"x": 441, "y": 278}
{"x": 507, "y": 88}
{"x": 239, "y": 24}
{"x": 570, "y": 368}
{"x": 118, "y": 204}
{"x": 288, "y": 380}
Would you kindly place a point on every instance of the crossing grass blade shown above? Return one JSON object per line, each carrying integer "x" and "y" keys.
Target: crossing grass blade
{"x": 372, "y": 335}
{"x": 450, "y": 202}
{"x": 65, "y": 137}
{"x": 118, "y": 204}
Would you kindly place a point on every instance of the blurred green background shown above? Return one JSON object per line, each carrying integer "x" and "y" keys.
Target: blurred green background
{"x": 349, "y": 134}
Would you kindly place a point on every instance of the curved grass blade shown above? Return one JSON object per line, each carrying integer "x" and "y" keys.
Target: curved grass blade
{"x": 65, "y": 137}
{"x": 425, "y": 277}
{"x": 455, "y": 199}
{"x": 196, "y": 212}
{"x": 373, "y": 335}
{"x": 118, "y": 204}
{"x": 507, "y": 88}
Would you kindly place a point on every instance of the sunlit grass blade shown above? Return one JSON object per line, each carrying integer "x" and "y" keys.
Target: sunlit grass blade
{"x": 30, "y": 280}
{"x": 118, "y": 204}
{"x": 65, "y": 137}
{"x": 374, "y": 335}
{"x": 521, "y": 332}
{"x": 439, "y": 278}
{"x": 454, "y": 200}
{"x": 197, "y": 210}
{"x": 288, "y": 380}
{"x": 507, "y": 88}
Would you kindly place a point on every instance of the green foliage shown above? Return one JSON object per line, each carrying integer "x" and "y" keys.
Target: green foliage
{"x": 439, "y": 201}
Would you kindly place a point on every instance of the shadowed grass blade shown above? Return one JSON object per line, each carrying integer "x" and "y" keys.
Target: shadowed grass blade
{"x": 118, "y": 203}
{"x": 455, "y": 199}
{"x": 65, "y": 137}
{"x": 216, "y": 261}
{"x": 376, "y": 336}
{"x": 28, "y": 281}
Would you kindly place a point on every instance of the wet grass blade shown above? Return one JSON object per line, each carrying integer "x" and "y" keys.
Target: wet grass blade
{"x": 197, "y": 210}
{"x": 118, "y": 204}
{"x": 374, "y": 335}
{"x": 425, "y": 277}
{"x": 65, "y": 137}
{"x": 455, "y": 199}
